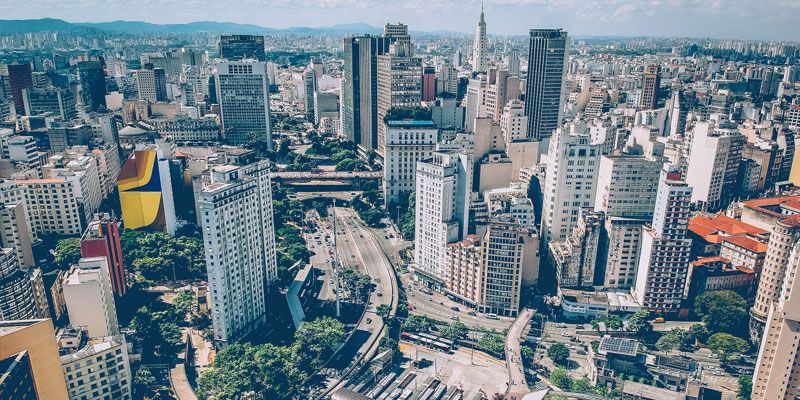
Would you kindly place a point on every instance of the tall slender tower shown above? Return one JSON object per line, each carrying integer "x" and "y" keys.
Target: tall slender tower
{"x": 547, "y": 54}
{"x": 479, "y": 58}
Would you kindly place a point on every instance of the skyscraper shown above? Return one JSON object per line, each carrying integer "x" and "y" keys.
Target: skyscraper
{"x": 36, "y": 338}
{"x": 664, "y": 260}
{"x": 778, "y": 365}
{"x": 16, "y": 292}
{"x": 714, "y": 160}
{"x": 93, "y": 85}
{"x": 19, "y": 78}
{"x": 428, "y": 83}
{"x": 101, "y": 239}
{"x": 443, "y": 187}
{"x": 651, "y": 81}
{"x": 310, "y": 82}
{"x": 238, "y": 230}
{"x": 243, "y": 94}
{"x": 547, "y": 56}
{"x": 399, "y": 77}
{"x": 570, "y": 180}
{"x": 240, "y": 47}
{"x": 89, "y": 298}
{"x": 479, "y": 56}
{"x": 360, "y": 89}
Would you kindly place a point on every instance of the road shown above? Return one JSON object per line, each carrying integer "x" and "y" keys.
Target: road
{"x": 365, "y": 341}
{"x": 440, "y": 307}
{"x": 518, "y": 385}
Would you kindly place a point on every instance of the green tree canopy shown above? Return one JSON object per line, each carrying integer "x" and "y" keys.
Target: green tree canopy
{"x": 454, "y": 331}
{"x": 723, "y": 311}
{"x": 68, "y": 252}
{"x": 417, "y": 323}
{"x": 640, "y": 322}
{"x": 493, "y": 342}
{"x": 727, "y": 344}
{"x": 561, "y": 379}
{"x": 745, "y": 387}
{"x": 559, "y": 353}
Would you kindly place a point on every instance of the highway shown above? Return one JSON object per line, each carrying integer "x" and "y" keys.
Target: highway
{"x": 355, "y": 239}
{"x": 440, "y": 307}
{"x": 518, "y": 386}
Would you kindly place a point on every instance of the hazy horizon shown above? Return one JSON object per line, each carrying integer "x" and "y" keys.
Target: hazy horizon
{"x": 734, "y": 19}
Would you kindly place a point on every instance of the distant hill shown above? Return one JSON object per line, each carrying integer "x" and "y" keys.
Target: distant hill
{"x": 59, "y": 25}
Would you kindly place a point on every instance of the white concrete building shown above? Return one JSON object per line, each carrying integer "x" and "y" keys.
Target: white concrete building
{"x": 53, "y": 206}
{"x": 513, "y": 122}
{"x": 146, "y": 84}
{"x": 571, "y": 178}
{"x": 98, "y": 368}
{"x": 716, "y": 152}
{"x": 243, "y": 95}
{"x": 442, "y": 193}
{"x": 236, "y": 208}
{"x": 407, "y": 142}
{"x": 665, "y": 251}
{"x": 777, "y": 374}
{"x": 480, "y": 57}
{"x": 89, "y": 298}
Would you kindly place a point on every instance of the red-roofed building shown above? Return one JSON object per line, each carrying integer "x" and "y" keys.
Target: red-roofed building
{"x": 709, "y": 232}
{"x": 101, "y": 239}
{"x": 718, "y": 273}
{"x": 764, "y": 213}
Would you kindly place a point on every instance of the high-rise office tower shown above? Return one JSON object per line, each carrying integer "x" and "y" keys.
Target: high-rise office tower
{"x": 513, "y": 122}
{"x": 784, "y": 234}
{"x": 665, "y": 251}
{"x": 89, "y": 297}
{"x": 547, "y": 56}
{"x": 570, "y": 181}
{"x": 35, "y": 340}
{"x": 399, "y": 77}
{"x": 16, "y": 291}
{"x": 447, "y": 81}
{"x": 93, "y": 85}
{"x": 475, "y": 100}
{"x": 15, "y": 232}
{"x": 19, "y": 78}
{"x": 626, "y": 191}
{"x": 407, "y": 142}
{"x": 443, "y": 188}
{"x": 778, "y": 366}
{"x": 576, "y": 257}
{"x": 146, "y": 84}
{"x": 513, "y": 62}
{"x": 651, "y": 81}
{"x": 503, "y": 259}
{"x": 160, "y": 78}
{"x": 714, "y": 160}
{"x": 480, "y": 58}
{"x": 101, "y": 239}
{"x": 238, "y": 230}
{"x": 310, "y": 83}
{"x": 428, "y": 83}
{"x": 360, "y": 89}
{"x": 241, "y": 47}
{"x": 243, "y": 94}
{"x": 500, "y": 89}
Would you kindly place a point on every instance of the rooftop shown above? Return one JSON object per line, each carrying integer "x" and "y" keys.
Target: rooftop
{"x": 413, "y": 123}
{"x": 714, "y": 229}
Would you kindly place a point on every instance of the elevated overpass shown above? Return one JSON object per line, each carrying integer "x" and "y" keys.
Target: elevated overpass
{"x": 326, "y": 181}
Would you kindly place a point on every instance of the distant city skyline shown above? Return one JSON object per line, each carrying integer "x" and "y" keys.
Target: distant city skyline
{"x": 729, "y": 19}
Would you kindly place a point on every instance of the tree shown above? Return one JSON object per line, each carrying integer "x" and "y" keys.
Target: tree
{"x": 723, "y": 311}
{"x": 383, "y": 311}
{"x": 527, "y": 354}
{"x": 454, "y": 331}
{"x": 493, "y": 342}
{"x": 184, "y": 302}
{"x": 416, "y": 323}
{"x": 144, "y": 378}
{"x": 283, "y": 147}
{"x": 561, "y": 379}
{"x": 669, "y": 341}
{"x": 699, "y": 331}
{"x": 68, "y": 252}
{"x": 559, "y": 353}
{"x": 727, "y": 344}
{"x": 321, "y": 335}
{"x": 582, "y": 385}
{"x": 745, "y": 387}
{"x": 640, "y": 322}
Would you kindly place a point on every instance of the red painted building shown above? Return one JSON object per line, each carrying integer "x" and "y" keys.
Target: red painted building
{"x": 428, "y": 84}
{"x": 101, "y": 239}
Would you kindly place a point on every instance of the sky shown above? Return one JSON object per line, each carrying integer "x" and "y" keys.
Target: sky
{"x": 736, "y": 19}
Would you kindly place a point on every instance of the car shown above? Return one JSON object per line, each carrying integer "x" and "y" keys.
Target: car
{"x": 565, "y": 334}
{"x": 454, "y": 317}
{"x": 491, "y": 316}
{"x": 472, "y": 313}
{"x": 581, "y": 352}
{"x": 369, "y": 320}
{"x": 579, "y": 327}
{"x": 454, "y": 308}
{"x": 560, "y": 325}
{"x": 380, "y": 294}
